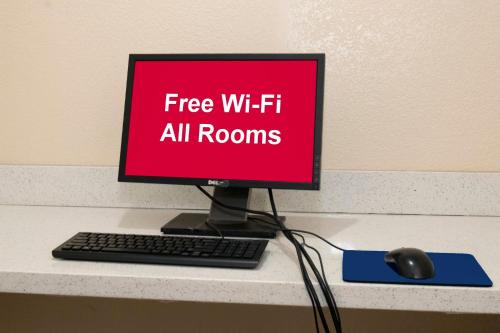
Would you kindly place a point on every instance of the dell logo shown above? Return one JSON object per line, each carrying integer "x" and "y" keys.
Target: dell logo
{"x": 222, "y": 183}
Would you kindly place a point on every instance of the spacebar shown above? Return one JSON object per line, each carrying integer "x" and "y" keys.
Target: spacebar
{"x": 124, "y": 250}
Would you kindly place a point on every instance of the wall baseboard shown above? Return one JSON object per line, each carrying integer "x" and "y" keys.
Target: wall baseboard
{"x": 379, "y": 192}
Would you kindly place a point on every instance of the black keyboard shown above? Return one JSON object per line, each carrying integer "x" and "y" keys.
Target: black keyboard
{"x": 169, "y": 250}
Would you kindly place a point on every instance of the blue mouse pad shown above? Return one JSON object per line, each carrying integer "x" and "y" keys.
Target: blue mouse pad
{"x": 452, "y": 269}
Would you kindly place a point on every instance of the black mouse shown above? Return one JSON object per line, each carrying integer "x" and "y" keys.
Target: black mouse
{"x": 411, "y": 263}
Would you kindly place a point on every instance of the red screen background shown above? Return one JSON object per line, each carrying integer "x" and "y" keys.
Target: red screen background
{"x": 289, "y": 161}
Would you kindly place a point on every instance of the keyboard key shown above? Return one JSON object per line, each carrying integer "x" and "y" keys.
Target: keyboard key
{"x": 124, "y": 250}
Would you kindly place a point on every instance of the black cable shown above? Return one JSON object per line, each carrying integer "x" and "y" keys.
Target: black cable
{"x": 312, "y": 293}
{"x": 322, "y": 270}
{"x": 307, "y": 281}
{"x": 299, "y": 230}
{"x": 332, "y": 306}
{"x": 325, "y": 289}
{"x": 316, "y": 305}
{"x": 217, "y": 230}
{"x": 301, "y": 254}
{"x": 314, "y": 249}
{"x": 316, "y": 235}
{"x": 238, "y": 208}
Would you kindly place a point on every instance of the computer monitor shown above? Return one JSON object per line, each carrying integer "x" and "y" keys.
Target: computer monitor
{"x": 233, "y": 121}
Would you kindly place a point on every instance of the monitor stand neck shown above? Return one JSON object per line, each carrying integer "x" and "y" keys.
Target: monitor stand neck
{"x": 231, "y": 196}
{"x": 230, "y": 223}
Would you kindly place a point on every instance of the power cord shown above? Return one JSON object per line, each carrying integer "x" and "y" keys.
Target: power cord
{"x": 301, "y": 255}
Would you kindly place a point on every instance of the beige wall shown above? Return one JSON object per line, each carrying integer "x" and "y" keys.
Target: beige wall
{"x": 411, "y": 85}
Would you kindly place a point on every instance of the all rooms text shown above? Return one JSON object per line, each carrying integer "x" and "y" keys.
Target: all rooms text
{"x": 231, "y": 103}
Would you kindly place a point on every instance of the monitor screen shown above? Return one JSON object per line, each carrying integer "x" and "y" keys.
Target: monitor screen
{"x": 232, "y": 120}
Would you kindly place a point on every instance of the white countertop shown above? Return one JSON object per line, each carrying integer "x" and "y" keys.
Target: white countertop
{"x": 29, "y": 233}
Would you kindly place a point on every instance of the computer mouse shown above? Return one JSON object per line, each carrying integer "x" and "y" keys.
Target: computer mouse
{"x": 411, "y": 263}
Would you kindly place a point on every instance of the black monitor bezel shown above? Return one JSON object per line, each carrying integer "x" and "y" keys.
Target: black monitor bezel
{"x": 318, "y": 124}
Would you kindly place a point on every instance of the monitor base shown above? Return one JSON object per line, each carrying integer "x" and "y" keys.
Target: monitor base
{"x": 193, "y": 224}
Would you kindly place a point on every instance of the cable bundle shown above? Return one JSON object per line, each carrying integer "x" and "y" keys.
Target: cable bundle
{"x": 305, "y": 262}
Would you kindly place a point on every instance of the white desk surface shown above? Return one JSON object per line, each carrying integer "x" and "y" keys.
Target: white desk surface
{"x": 29, "y": 233}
